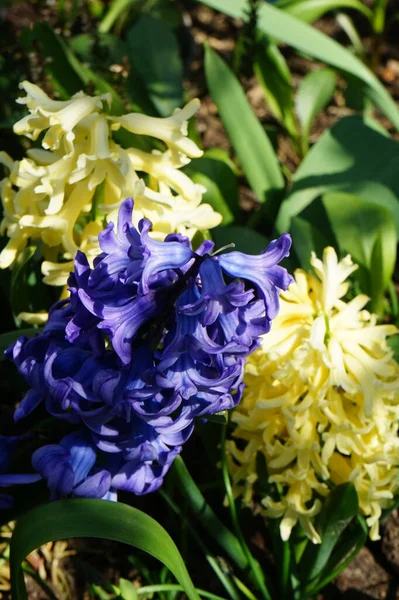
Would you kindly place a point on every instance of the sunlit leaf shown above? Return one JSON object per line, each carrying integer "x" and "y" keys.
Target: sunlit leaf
{"x": 127, "y": 589}
{"x": 222, "y": 172}
{"x": 314, "y": 93}
{"x": 214, "y": 197}
{"x": 286, "y": 28}
{"x": 274, "y": 76}
{"x": 96, "y": 519}
{"x": 116, "y": 8}
{"x": 308, "y": 236}
{"x": 311, "y": 10}
{"x": 352, "y": 157}
{"x": 250, "y": 141}
{"x": 366, "y": 231}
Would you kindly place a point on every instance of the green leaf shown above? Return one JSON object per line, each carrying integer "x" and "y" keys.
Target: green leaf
{"x": 308, "y": 236}
{"x": 311, "y": 10}
{"x": 339, "y": 508}
{"x": 347, "y": 25}
{"x": 274, "y": 76}
{"x": 209, "y": 520}
{"x": 286, "y": 28}
{"x": 253, "y": 147}
{"x": 97, "y": 519}
{"x": 154, "y": 54}
{"x": 379, "y": 16}
{"x": 365, "y": 230}
{"x": 393, "y": 343}
{"x": 99, "y": 49}
{"x": 170, "y": 587}
{"x": 351, "y": 157}
{"x": 347, "y": 548}
{"x": 283, "y": 551}
{"x": 354, "y": 96}
{"x": 115, "y": 10}
{"x": 213, "y": 196}
{"x": 244, "y": 239}
{"x": 222, "y": 155}
{"x": 221, "y": 171}
{"x": 314, "y": 93}
{"x": 101, "y": 86}
{"x": 82, "y": 45}
{"x": 361, "y": 228}
{"x": 127, "y": 589}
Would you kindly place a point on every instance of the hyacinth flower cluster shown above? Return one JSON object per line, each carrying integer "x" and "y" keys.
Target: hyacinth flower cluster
{"x": 321, "y": 403}
{"x": 153, "y": 336}
{"x": 63, "y": 193}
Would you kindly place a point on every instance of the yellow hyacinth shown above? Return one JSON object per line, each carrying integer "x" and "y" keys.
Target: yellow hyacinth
{"x": 64, "y": 192}
{"x": 321, "y": 403}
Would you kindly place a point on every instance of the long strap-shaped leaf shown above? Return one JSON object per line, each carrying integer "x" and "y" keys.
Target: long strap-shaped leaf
{"x": 286, "y": 28}
{"x": 254, "y": 149}
{"x": 205, "y": 514}
{"x": 97, "y": 519}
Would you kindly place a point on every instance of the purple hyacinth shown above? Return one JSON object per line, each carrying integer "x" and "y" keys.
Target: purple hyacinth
{"x": 152, "y": 336}
{"x": 263, "y": 271}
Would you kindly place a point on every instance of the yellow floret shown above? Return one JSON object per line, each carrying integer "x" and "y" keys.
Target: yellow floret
{"x": 321, "y": 402}
{"x": 64, "y": 192}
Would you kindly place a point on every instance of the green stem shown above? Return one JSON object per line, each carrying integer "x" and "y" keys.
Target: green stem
{"x": 284, "y": 564}
{"x": 285, "y": 570}
{"x": 378, "y": 23}
{"x": 347, "y": 25}
{"x": 116, "y": 9}
{"x": 241, "y": 586}
{"x": 214, "y": 526}
{"x": 226, "y": 582}
{"x": 172, "y": 587}
{"x": 379, "y": 14}
{"x": 253, "y": 564}
{"x": 61, "y": 10}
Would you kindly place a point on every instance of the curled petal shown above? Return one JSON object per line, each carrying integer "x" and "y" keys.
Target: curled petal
{"x": 262, "y": 271}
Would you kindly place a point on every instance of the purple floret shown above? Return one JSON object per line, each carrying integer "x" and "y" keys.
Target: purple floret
{"x": 153, "y": 336}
